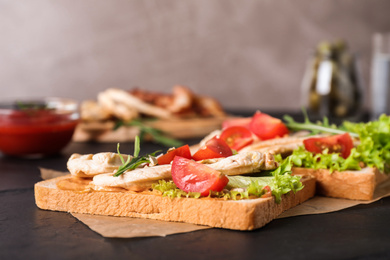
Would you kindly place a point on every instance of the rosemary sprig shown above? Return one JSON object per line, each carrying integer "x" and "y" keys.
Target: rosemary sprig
{"x": 315, "y": 128}
{"x": 134, "y": 162}
{"x": 157, "y": 135}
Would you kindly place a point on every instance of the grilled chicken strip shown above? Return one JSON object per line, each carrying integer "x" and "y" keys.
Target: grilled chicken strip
{"x": 91, "y": 110}
{"x": 208, "y": 106}
{"x": 142, "y": 178}
{"x": 135, "y": 180}
{"x": 182, "y": 99}
{"x": 245, "y": 163}
{"x": 124, "y": 98}
{"x": 90, "y": 165}
{"x": 117, "y": 108}
{"x": 283, "y": 145}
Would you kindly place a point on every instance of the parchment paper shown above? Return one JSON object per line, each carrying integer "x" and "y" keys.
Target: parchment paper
{"x": 126, "y": 227}
{"x": 320, "y": 205}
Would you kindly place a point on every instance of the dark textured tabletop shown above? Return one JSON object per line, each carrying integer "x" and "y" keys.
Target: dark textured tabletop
{"x": 26, "y": 232}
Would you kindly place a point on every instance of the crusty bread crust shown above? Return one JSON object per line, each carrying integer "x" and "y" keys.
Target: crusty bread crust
{"x": 354, "y": 185}
{"x": 240, "y": 215}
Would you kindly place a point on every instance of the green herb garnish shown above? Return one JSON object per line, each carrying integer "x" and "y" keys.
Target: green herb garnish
{"x": 157, "y": 135}
{"x": 315, "y": 128}
{"x": 134, "y": 162}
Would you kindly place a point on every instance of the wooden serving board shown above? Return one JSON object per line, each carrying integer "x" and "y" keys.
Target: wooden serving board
{"x": 176, "y": 128}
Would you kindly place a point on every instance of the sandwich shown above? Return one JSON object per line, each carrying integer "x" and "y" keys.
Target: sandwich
{"x": 348, "y": 161}
{"x": 349, "y": 164}
{"x": 239, "y": 177}
{"x": 118, "y": 115}
{"x": 212, "y": 186}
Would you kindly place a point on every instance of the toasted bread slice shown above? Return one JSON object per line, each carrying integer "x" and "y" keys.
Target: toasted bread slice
{"x": 245, "y": 214}
{"x": 354, "y": 185}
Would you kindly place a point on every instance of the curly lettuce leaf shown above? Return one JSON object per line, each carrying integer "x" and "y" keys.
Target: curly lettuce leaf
{"x": 333, "y": 161}
{"x": 281, "y": 182}
{"x": 169, "y": 189}
{"x": 374, "y": 147}
{"x": 373, "y": 150}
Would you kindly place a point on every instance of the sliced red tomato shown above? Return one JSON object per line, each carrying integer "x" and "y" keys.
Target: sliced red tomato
{"x": 191, "y": 176}
{"x": 268, "y": 192}
{"x": 237, "y": 137}
{"x": 239, "y": 121}
{"x": 342, "y": 144}
{"x": 214, "y": 148}
{"x": 183, "y": 151}
{"x": 267, "y": 127}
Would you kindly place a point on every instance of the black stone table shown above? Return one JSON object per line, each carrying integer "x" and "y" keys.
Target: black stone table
{"x": 26, "y": 232}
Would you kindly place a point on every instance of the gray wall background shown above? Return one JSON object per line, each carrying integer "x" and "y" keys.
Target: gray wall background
{"x": 250, "y": 54}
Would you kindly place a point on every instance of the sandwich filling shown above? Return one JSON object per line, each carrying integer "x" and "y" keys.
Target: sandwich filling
{"x": 99, "y": 170}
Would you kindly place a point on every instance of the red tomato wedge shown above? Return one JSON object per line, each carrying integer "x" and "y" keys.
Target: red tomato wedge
{"x": 342, "y": 144}
{"x": 183, "y": 151}
{"x": 239, "y": 121}
{"x": 214, "y": 148}
{"x": 191, "y": 176}
{"x": 267, "y": 127}
{"x": 237, "y": 137}
{"x": 268, "y": 192}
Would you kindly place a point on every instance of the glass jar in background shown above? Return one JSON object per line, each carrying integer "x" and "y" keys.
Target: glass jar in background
{"x": 331, "y": 86}
{"x": 380, "y": 75}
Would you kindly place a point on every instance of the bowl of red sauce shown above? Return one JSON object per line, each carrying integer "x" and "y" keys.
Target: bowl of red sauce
{"x": 37, "y": 127}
